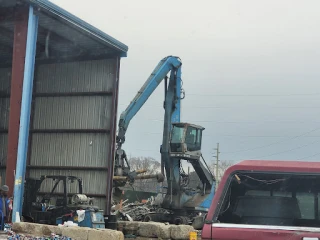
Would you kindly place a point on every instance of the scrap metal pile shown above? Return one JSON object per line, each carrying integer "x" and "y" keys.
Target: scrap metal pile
{"x": 137, "y": 211}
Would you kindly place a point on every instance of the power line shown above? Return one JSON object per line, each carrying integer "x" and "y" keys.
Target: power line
{"x": 245, "y": 122}
{"x": 291, "y": 138}
{"x": 244, "y": 95}
{"x": 234, "y": 107}
{"x": 262, "y": 136}
{"x": 254, "y": 95}
{"x": 237, "y": 136}
{"x": 309, "y": 156}
{"x": 289, "y": 150}
{"x": 248, "y": 106}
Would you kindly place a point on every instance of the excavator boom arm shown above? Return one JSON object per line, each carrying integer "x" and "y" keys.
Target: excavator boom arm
{"x": 159, "y": 73}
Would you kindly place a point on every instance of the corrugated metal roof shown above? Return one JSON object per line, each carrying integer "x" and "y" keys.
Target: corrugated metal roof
{"x": 85, "y": 27}
{"x": 61, "y": 35}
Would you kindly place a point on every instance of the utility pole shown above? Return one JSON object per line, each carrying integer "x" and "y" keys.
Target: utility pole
{"x": 217, "y": 162}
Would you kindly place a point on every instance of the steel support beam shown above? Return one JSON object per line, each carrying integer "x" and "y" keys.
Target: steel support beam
{"x": 19, "y": 53}
{"x": 25, "y": 112}
{"x": 110, "y": 160}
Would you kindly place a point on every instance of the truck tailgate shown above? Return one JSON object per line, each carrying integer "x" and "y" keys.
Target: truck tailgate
{"x": 258, "y": 232}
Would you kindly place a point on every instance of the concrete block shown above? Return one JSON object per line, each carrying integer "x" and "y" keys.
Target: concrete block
{"x": 154, "y": 230}
{"x": 48, "y": 229}
{"x": 76, "y": 233}
{"x": 180, "y": 232}
{"x": 29, "y": 228}
{"x": 102, "y": 234}
{"x": 142, "y": 238}
{"x": 129, "y": 225}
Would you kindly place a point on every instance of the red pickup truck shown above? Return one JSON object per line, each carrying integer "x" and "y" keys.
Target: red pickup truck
{"x": 262, "y": 200}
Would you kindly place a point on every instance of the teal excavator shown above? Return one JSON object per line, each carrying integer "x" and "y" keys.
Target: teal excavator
{"x": 180, "y": 141}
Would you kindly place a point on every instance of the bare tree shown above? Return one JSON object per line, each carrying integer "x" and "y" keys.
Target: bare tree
{"x": 148, "y": 163}
{"x": 223, "y": 166}
{"x": 151, "y": 166}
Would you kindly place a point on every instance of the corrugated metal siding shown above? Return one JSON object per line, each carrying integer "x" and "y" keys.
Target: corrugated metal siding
{"x": 5, "y": 77}
{"x": 5, "y": 80}
{"x": 89, "y": 112}
{"x": 3, "y": 148}
{"x": 70, "y": 149}
{"x": 57, "y": 116}
{"x": 4, "y": 112}
{"x": 84, "y": 76}
{"x": 6, "y": 40}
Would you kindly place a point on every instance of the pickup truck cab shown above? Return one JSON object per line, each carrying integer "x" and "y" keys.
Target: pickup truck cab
{"x": 262, "y": 200}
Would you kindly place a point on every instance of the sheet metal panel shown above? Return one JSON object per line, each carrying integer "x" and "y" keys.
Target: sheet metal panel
{"x": 5, "y": 44}
{"x": 70, "y": 149}
{"x": 85, "y": 112}
{"x": 5, "y": 80}
{"x": 58, "y": 115}
{"x": 6, "y": 39}
{"x": 4, "y": 112}
{"x": 86, "y": 76}
{"x": 3, "y": 148}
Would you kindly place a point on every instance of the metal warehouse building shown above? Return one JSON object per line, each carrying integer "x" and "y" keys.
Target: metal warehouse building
{"x": 59, "y": 79}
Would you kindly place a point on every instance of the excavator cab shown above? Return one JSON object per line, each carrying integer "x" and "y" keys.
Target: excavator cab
{"x": 185, "y": 141}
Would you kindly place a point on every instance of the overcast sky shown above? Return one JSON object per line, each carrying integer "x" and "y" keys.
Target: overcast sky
{"x": 250, "y": 71}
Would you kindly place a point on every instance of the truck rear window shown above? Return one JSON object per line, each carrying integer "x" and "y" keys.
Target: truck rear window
{"x": 271, "y": 199}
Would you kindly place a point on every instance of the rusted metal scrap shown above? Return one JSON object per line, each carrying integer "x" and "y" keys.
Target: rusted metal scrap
{"x": 135, "y": 211}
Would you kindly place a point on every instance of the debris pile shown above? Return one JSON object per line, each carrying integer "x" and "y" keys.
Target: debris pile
{"x": 11, "y": 235}
{"x": 138, "y": 210}
{"x": 26, "y": 237}
{"x": 135, "y": 211}
{"x": 131, "y": 211}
